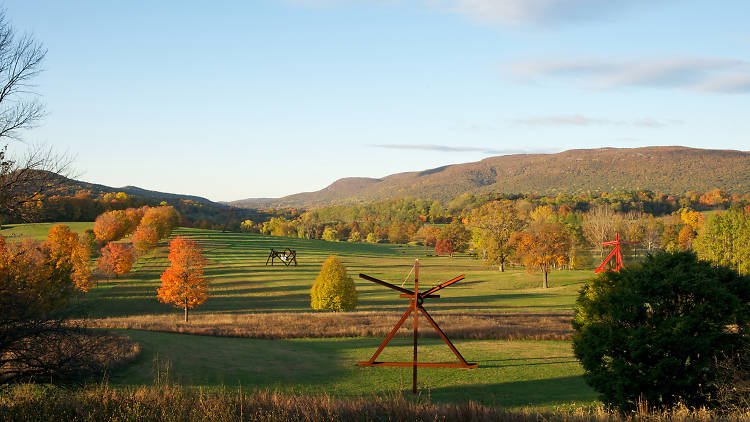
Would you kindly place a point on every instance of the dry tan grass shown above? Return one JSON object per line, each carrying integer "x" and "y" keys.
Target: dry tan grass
{"x": 27, "y": 402}
{"x": 520, "y": 326}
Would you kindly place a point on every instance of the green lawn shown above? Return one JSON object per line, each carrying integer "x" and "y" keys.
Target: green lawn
{"x": 39, "y": 230}
{"x": 512, "y": 373}
{"x": 542, "y": 374}
{"x": 241, "y": 282}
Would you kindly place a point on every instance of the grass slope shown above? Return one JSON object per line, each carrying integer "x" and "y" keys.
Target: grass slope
{"x": 39, "y": 230}
{"x": 241, "y": 282}
{"x": 542, "y": 374}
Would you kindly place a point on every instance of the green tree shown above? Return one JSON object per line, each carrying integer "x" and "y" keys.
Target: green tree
{"x": 496, "y": 221}
{"x": 333, "y": 290}
{"x": 725, "y": 240}
{"x": 656, "y": 331}
{"x": 330, "y": 234}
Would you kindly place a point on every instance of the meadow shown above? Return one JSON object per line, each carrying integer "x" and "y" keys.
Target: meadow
{"x": 249, "y": 298}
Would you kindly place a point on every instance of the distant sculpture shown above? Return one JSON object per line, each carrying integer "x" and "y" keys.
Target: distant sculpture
{"x": 615, "y": 253}
{"x": 287, "y": 256}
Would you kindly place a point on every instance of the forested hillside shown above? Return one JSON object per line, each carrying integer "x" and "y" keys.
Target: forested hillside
{"x": 672, "y": 170}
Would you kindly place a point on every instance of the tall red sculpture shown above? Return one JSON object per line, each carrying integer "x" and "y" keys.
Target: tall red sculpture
{"x": 615, "y": 253}
{"x": 416, "y": 299}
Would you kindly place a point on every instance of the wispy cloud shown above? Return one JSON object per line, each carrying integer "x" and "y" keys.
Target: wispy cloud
{"x": 448, "y": 148}
{"x": 510, "y": 12}
{"x": 536, "y": 11}
{"x": 713, "y": 74}
{"x": 581, "y": 120}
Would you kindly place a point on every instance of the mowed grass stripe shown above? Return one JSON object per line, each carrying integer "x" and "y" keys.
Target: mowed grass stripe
{"x": 542, "y": 374}
{"x": 241, "y": 282}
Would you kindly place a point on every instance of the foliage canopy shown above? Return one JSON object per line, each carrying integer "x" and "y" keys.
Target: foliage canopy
{"x": 656, "y": 331}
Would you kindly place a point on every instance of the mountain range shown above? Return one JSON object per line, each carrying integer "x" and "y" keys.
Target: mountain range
{"x": 670, "y": 170}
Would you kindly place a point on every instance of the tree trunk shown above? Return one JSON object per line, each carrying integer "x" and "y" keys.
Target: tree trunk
{"x": 545, "y": 285}
{"x": 186, "y": 311}
{"x": 502, "y": 267}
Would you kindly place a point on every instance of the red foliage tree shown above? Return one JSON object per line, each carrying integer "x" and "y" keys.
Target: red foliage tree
{"x": 116, "y": 259}
{"x": 444, "y": 247}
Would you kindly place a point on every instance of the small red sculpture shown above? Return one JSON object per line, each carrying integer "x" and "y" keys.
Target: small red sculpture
{"x": 615, "y": 253}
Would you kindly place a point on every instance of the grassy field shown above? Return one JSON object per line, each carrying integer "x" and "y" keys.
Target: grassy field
{"x": 241, "y": 282}
{"x": 39, "y": 230}
{"x": 542, "y": 374}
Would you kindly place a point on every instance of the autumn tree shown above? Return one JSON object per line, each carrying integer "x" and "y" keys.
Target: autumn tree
{"x": 398, "y": 233}
{"x": 427, "y": 234}
{"x": 495, "y": 222}
{"x": 444, "y": 247}
{"x": 111, "y": 226}
{"x": 458, "y": 235}
{"x": 183, "y": 284}
{"x": 70, "y": 257}
{"x": 333, "y": 290}
{"x": 145, "y": 239}
{"x": 163, "y": 219}
{"x": 116, "y": 259}
{"x": 543, "y": 248}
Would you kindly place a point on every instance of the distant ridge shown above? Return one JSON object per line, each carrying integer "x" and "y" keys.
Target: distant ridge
{"x": 71, "y": 186}
{"x": 666, "y": 169}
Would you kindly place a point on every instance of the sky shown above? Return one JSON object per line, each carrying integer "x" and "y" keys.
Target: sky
{"x": 265, "y": 98}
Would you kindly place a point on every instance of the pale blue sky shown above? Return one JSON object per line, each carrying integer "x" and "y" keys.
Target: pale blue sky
{"x": 230, "y": 100}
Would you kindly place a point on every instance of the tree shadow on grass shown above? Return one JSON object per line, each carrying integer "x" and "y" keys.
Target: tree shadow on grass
{"x": 546, "y": 392}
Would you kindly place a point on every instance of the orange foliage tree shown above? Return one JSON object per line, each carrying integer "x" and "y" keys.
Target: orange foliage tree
{"x": 116, "y": 259}
{"x": 110, "y": 226}
{"x": 145, "y": 239}
{"x": 163, "y": 219}
{"x": 70, "y": 256}
{"x": 182, "y": 284}
{"x": 543, "y": 248}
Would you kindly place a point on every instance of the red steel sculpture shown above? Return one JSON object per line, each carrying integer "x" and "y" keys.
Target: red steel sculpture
{"x": 416, "y": 299}
{"x": 615, "y": 253}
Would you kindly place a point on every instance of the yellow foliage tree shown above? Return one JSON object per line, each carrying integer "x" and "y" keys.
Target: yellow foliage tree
{"x": 333, "y": 290}
{"x": 70, "y": 256}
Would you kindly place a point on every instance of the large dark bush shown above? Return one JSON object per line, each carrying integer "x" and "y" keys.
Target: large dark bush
{"x": 657, "y": 331}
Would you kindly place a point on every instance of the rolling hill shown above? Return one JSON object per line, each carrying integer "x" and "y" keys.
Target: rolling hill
{"x": 67, "y": 186}
{"x": 672, "y": 170}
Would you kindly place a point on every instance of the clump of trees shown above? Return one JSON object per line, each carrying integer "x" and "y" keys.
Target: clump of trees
{"x": 183, "y": 284}
{"x": 659, "y": 331}
{"x": 37, "y": 280}
{"x": 333, "y": 290}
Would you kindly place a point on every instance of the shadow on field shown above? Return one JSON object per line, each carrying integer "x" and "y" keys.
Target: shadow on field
{"x": 542, "y": 392}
